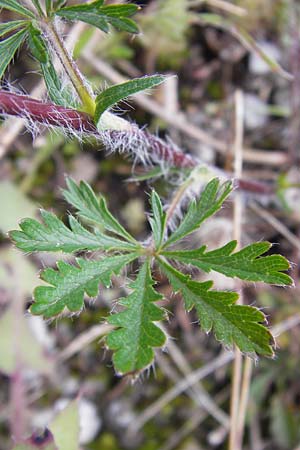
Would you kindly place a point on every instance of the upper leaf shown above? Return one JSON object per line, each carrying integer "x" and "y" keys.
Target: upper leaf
{"x": 7, "y": 27}
{"x": 17, "y": 7}
{"x": 55, "y": 236}
{"x": 9, "y": 47}
{"x": 118, "y": 92}
{"x": 158, "y": 221}
{"x": 246, "y": 264}
{"x": 136, "y": 335}
{"x": 92, "y": 208}
{"x": 209, "y": 203}
{"x": 232, "y": 324}
{"x": 100, "y": 16}
{"x": 69, "y": 283}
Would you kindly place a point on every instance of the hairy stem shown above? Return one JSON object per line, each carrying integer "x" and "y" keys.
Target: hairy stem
{"x": 84, "y": 92}
{"x": 77, "y": 121}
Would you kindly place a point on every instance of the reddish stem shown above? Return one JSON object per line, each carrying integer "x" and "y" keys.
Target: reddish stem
{"x": 46, "y": 113}
{"x": 77, "y": 121}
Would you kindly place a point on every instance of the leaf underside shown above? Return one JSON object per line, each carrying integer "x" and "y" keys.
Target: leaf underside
{"x": 246, "y": 264}
{"x": 217, "y": 311}
{"x": 69, "y": 283}
{"x": 136, "y": 336}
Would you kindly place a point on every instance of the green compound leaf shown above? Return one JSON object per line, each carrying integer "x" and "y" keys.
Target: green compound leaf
{"x": 246, "y": 264}
{"x": 102, "y": 16}
{"x": 137, "y": 335}
{"x": 69, "y": 283}
{"x": 17, "y": 7}
{"x": 158, "y": 221}
{"x": 7, "y": 27}
{"x": 55, "y": 236}
{"x": 118, "y": 92}
{"x": 232, "y": 324}
{"x": 210, "y": 201}
{"x": 8, "y": 48}
{"x": 93, "y": 208}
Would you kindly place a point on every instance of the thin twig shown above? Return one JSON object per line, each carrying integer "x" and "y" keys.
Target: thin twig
{"x": 83, "y": 340}
{"x": 237, "y": 227}
{"x": 180, "y": 387}
{"x": 205, "y": 399}
{"x": 276, "y": 224}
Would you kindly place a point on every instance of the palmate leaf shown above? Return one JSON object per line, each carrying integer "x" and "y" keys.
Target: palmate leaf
{"x": 232, "y": 324}
{"x": 101, "y": 16}
{"x": 158, "y": 221}
{"x": 93, "y": 208}
{"x": 210, "y": 201}
{"x": 137, "y": 334}
{"x": 8, "y": 48}
{"x": 246, "y": 264}
{"x": 7, "y": 27}
{"x": 54, "y": 236}
{"x": 69, "y": 283}
{"x": 118, "y": 92}
{"x": 17, "y": 7}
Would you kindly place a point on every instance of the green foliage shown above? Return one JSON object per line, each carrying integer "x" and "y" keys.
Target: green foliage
{"x": 208, "y": 204}
{"x": 37, "y": 45}
{"x": 101, "y": 16}
{"x": 93, "y": 209}
{"x": 136, "y": 334}
{"x": 8, "y": 48}
{"x": 246, "y": 264}
{"x": 17, "y": 7}
{"x": 118, "y": 92}
{"x": 7, "y": 27}
{"x": 217, "y": 311}
{"x": 158, "y": 221}
{"x": 69, "y": 283}
{"x": 59, "y": 94}
{"x": 55, "y": 236}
